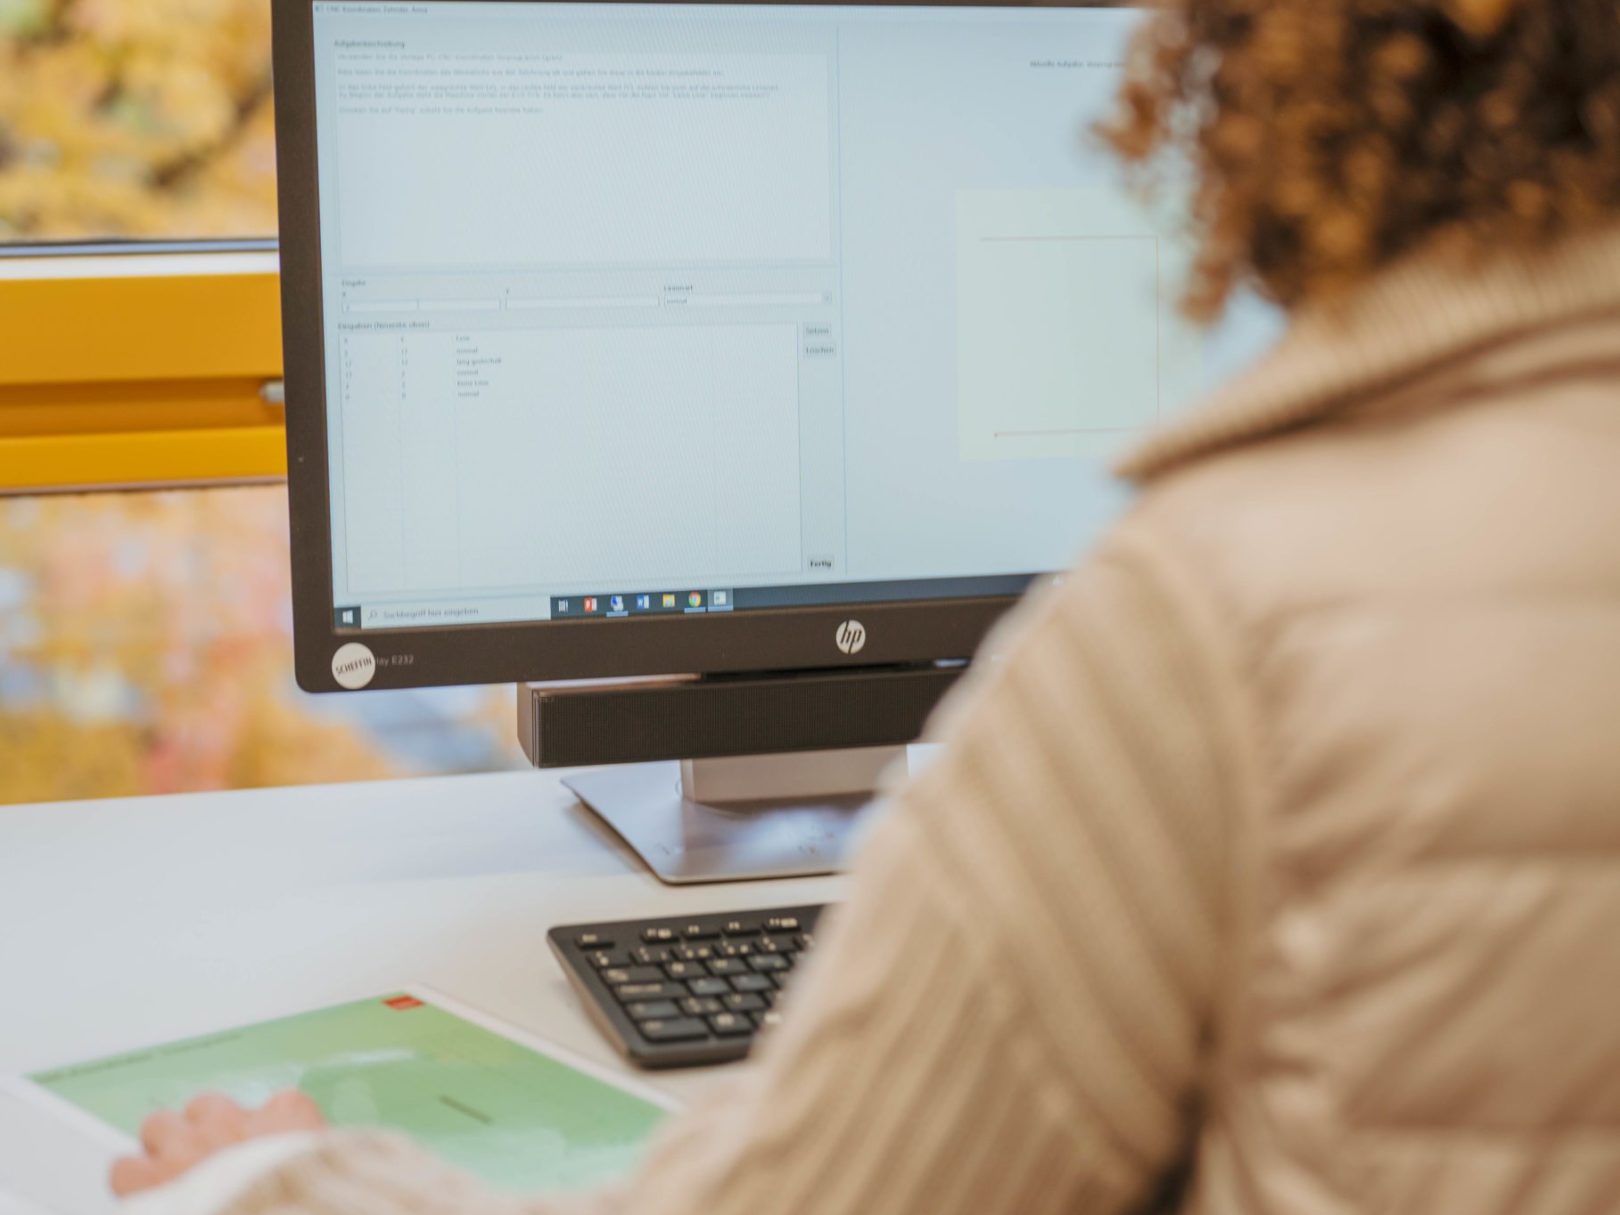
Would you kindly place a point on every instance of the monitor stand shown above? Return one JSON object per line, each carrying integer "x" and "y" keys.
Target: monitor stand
{"x": 740, "y": 819}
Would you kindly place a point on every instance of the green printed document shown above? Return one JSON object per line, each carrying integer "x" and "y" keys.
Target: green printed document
{"x": 516, "y": 1112}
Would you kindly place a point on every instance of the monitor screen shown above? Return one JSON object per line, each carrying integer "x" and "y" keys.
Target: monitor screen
{"x": 675, "y": 310}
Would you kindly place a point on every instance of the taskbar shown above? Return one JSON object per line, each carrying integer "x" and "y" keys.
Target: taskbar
{"x": 640, "y": 604}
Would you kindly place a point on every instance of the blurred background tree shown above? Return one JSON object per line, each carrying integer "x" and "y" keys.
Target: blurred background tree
{"x": 137, "y": 118}
{"x": 146, "y": 638}
{"x": 146, "y": 647}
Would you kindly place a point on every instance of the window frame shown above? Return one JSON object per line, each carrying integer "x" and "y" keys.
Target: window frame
{"x": 139, "y": 365}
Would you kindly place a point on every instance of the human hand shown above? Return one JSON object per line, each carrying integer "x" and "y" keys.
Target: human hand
{"x": 174, "y": 1143}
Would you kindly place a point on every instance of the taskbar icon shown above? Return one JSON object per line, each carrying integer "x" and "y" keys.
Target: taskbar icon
{"x": 641, "y": 603}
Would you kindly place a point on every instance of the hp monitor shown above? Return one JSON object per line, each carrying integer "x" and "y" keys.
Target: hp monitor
{"x": 754, "y": 358}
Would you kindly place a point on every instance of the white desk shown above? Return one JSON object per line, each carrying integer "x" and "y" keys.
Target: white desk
{"x": 142, "y": 920}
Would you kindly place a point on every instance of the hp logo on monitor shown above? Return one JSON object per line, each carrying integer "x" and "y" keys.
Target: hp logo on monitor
{"x": 851, "y": 637}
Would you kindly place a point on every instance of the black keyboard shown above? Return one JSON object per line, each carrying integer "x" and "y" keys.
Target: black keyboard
{"x": 690, "y": 991}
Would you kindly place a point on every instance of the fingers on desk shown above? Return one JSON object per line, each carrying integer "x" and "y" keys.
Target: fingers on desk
{"x": 217, "y": 1121}
{"x": 165, "y": 1133}
{"x": 174, "y": 1142}
{"x": 136, "y": 1173}
{"x": 289, "y": 1111}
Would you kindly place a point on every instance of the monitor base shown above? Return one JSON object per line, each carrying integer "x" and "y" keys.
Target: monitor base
{"x": 684, "y": 841}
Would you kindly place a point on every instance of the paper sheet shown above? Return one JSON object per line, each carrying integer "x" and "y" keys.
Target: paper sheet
{"x": 518, "y": 1113}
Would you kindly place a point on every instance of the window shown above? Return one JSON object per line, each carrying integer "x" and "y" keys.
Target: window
{"x": 129, "y": 363}
{"x": 145, "y": 639}
{"x": 145, "y": 647}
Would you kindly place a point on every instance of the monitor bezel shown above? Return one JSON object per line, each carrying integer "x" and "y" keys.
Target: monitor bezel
{"x": 775, "y": 639}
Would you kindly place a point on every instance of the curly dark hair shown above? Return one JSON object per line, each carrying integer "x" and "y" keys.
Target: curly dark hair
{"x": 1330, "y": 138}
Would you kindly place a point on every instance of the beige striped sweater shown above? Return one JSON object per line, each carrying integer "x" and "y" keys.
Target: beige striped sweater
{"x": 1022, "y": 1006}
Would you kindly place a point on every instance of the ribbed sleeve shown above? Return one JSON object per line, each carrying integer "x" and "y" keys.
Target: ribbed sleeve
{"x": 1010, "y": 1013}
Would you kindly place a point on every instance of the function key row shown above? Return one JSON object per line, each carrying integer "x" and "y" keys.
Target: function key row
{"x": 669, "y": 935}
{"x": 665, "y": 934}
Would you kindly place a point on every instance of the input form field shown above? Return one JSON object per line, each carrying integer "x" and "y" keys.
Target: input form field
{"x": 423, "y": 305}
{"x": 752, "y": 300}
{"x": 551, "y": 303}
{"x": 1062, "y": 320}
{"x": 459, "y": 305}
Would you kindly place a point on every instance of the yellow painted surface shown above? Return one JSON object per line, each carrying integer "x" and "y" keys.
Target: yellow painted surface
{"x": 144, "y": 327}
{"x": 140, "y": 380}
{"x": 142, "y": 458}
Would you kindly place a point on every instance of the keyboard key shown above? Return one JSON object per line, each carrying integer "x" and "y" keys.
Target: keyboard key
{"x": 782, "y": 923}
{"x": 651, "y": 955}
{"x": 715, "y": 986}
{"x": 681, "y": 1029}
{"x": 593, "y": 940}
{"x": 632, "y": 974}
{"x": 702, "y": 1006}
{"x": 694, "y": 953}
{"x": 728, "y": 966}
{"x": 776, "y": 945}
{"x": 743, "y": 926}
{"x": 767, "y": 1020}
{"x": 739, "y": 1001}
{"x": 742, "y": 983}
{"x": 603, "y": 958}
{"x": 650, "y": 1010}
{"x": 730, "y": 1025}
{"x": 699, "y": 932}
{"x": 736, "y": 949}
{"x": 768, "y": 962}
{"x": 658, "y": 936}
{"x": 806, "y": 940}
{"x": 685, "y": 970}
{"x": 650, "y": 991}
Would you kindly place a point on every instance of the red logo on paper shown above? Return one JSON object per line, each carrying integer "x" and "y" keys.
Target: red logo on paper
{"x": 403, "y": 1003}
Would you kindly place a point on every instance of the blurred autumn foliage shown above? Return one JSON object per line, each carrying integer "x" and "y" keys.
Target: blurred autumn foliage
{"x": 135, "y": 118}
{"x": 146, "y": 647}
{"x": 146, "y": 638}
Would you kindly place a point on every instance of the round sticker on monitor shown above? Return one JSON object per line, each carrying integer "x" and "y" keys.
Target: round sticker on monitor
{"x": 353, "y": 666}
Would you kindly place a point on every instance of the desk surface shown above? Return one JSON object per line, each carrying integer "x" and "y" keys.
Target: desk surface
{"x": 143, "y": 920}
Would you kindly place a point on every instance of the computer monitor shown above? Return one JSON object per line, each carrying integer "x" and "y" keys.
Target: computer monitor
{"x": 772, "y": 348}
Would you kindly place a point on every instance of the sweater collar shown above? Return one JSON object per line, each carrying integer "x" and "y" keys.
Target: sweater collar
{"x": 1409, "y": 319}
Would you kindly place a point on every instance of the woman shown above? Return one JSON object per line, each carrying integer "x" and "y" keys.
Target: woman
{"x": 1282, "y": 855}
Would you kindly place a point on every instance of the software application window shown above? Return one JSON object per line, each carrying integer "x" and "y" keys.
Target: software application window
{"x": 648, "y": 302}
